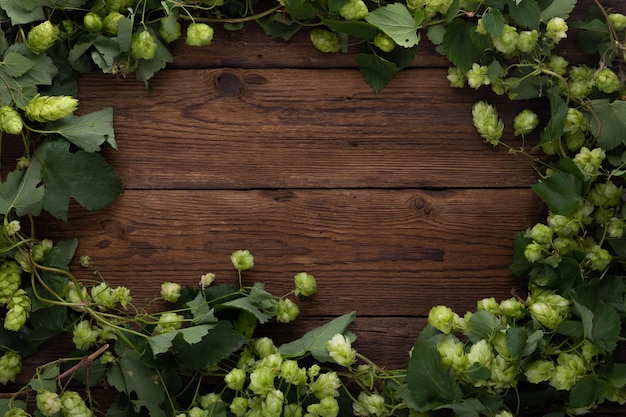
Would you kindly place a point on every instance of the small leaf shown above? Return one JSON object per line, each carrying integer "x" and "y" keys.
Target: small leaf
{"x": 161, "y": 343}
{"x": 376, "y": 70}
{"x": 315, "y": 340}
{"x": 561, "y": 192}
{"x": 482, "y": 325}
{"x": 493, "y": 20}
{"x": 397, "y": 22}
{"x": 525, "y": 13}
{"x": 357, "y": 29}
{"x": 23, "y": 11}
{"x": 87, "y": 132}
{"x": 459, "y": 44}
{"x": 558, "y": 112}
{"x": 516, "y": 338}
{"x": 22, "y": 191}
{"x": 606, "y": 327}
{"x": 587, "y": 392}
{"x": 608, "y": 122}
{"x": 561, "y": 8}
{"x": 16, "y": 64}
{"x": 220, "y": 343}
{"x": 86, "y": 177}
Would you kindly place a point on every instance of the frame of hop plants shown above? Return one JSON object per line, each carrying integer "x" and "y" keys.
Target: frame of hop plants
{"x": 553, "y": 352}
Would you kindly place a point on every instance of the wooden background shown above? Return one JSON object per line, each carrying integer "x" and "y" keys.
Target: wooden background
{"x": 393, "y": 202}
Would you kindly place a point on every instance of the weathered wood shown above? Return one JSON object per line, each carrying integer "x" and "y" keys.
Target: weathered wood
{"x": 380, "y": 252}
{"x": 289, "y": 128}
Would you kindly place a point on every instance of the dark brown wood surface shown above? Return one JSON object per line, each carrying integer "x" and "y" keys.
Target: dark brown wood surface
{"x": 392, "y": 201}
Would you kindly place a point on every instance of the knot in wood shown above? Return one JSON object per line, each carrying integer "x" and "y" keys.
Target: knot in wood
{"x": 421, "y": 204}
{"x": 228, "y": 84}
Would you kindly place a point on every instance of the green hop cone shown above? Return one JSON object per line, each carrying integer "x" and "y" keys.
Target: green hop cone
{"x": 340, "y": 350}
{"x": 306, "y": 285}
{"x": 325, "y": 40}
{"x": 50, "y": 108}
{"x": 369, "y": 405}
{"x": 170, "y": 28}
{"x": 556, "y": 29}
{"x": 199, "y": 34}
{"x": 10, "y": 280}
{"x": 73, "y": 405}
{"x": 16, "y": 412}
{"x": 143, "y": 45}
{"x": 84, "y": 335}
{"x": 18, "y": 311}
{"x": 384, "y": 42}
{"x": 287, "y": 311}
{"x": 41, "y": 37}
{"x": 48, "y": 403}
{"x": 93, "y": 22}
{"x": 235, "y": 379}
{"x": 354, "y": 10}
{"x": 111, "y": 23}
{"x": 10, "y": 121}
{"x": 618, "y": 21}
{"x": 326, "y": 385}
{"x": 607, "y": 81}
{"x": 10, "y": 367}
{"x": 242, "y": 260}
{"x": 525, "y": 122}
{"x": 170, "y": 291}
{"x": 487, "y": 122}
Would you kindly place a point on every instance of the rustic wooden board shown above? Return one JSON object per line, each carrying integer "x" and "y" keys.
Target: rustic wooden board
{"x": 290, "y": 128}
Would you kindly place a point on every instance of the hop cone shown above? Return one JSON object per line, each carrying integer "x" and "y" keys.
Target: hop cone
{"x": 10, "y": 366}
{"x": 10, "y": 280}
{"x": 41, "y": 37}
{"x": 50, "y": 108}
{"x": 19, "y": 310}
{"x": 10, "y": 121}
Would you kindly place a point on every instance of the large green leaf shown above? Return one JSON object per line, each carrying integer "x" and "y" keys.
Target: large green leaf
{"x": 482, "y": 325}
{"x": 16, "y": 64}
{"x": 22, "y": 191}
{"x": 608, "y": 122}
{"x": 315, "y": 341}
{"x": 87, "y": 132}
{"x": 220, "y": 343}
{"x": 459, "y": 44}
{"x": 397, "y": 22}
{"x": 525, "y": 13}
{"x": 23, "y": 11}
{"x": 557, "y": 8}
{"x": 561, "y": 192}
{"x": 86, "y": 177}
{"x": 588, "y": 391}
{"x": 376, "y": 70}
{"x": 429, "y": 381}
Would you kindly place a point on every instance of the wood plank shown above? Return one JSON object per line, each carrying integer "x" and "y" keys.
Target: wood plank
{"x": 369, "y": 249}
{"x": 242, "y": 129}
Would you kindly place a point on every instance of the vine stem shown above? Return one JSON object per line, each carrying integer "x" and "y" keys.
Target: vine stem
{"x": 233, "y": 19}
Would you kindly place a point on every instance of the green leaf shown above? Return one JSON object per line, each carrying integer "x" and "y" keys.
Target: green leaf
{"x": 161, "y": 343}
{"x": 608, "y": 122}
{"x": 202, "y": 313}
{"x": 336, "y": 5}
{"x": 315, "y": 340}
{"x": 22, "y": 191}
{"x": 482, "y": 325}
{"x": 148, "y": 67}
{"x": 605, "y": 332}
{"x": 459, "y": 45}
{"x": 428, "y": 379}
{"x": 125, "y": 32}
{"x": 558, "y": 112}
{"x": 23, "y": 11}
{"x": 7, "y": 404}
{"x": 587, "y": 391}
{"x": 531, "y": 342}
{"x": 357, "y": 29}
{"x": 493, "y": 20}
{"x": 617, "y": 375}
{"x": 376, "y": 70}
{"x": 436, "y": 33}
{"x": 86, "y": 177}
{"x": 561, "y": 192}
{"x": 571, "y": 328}
{"x": 132, "y": 376}
{"x": 397, "y": 22}
{"x": 560, "y": 8}
{"x": 220, "y": 343}
{"x": 41, "y": 73}
{"x": 516, "y": 338}
{"x": 468, "y": 408}
{"x": 105, "y": 53}
{"x": 16, "y": 64}
{"x": 301, "y": 9}
{"x": 259, "y": 302}
{"x": 87, "y": 132}
{"x": 61, "y": 254}
{"x": 525, "y": 13}
{"x": 520, "y": 264}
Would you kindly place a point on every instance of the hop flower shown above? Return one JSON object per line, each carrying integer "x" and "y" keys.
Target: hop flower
{"x": 48, "y": 403}
{"x": 507, "y": 41}
{"x": 513, "y": 308}
{"x": 10, "y": 121}
{"x": 170, "y": 291}
{"x": 306, "y": 285}
{"x": 72, "y": 405}
{"x": 287, "y": 311}
{"x": 238, "y": 406}
{"x": 261, "y": 381}
{"x": 235, "y": 379}
{"x": 618, "y": 21}
{"x": 10, "y": 367}
{"x": 487, "y": 122}
{"x": 169, "y": 322}
{"x": 143, "y": 45}
{"x": 525, "y": 122}
{"x": 326, "y": 385}
{"x": 16, "y": 412}
{"x": 488, "y": 304}
{"x": 589, "y": 161}
{"x": 264, "y": 346}
{"x": 570, "y": 369}
{"x": 50, "y": 108}
{"x": 556, "y": 29}
{"x": 292, "y": 410}
{"x": 242, "y": 260}
{"x": 539, "y": 371}
{"x": 207, "y": 279}
{"x": 10, "y": 280}
{"x": 384, "y": 42}
{"x": 481, "y": 353}
{"x": 84, "y": 335}
{"x": 442, "y": 318}
{"x": 558, "y": 64}
{"x": 93, "y": 22}
{"x": 169, "y": 29}
{"x": 478, "y": 75}
{"x": 41, "y": 37}
{"x": 111, "y": 22}
{"x": 12, "y": 227}
{"x": 18, "y": 310}
{"x": 354, "y": 10}
{"x": 199, "y": 34}
{"x": 325, "y": 40}
{"x": 452, "y": 353}
{"x": 599, "y": 258}
{"x": 607, "y": 81}
{"x": 292, "y": 373}
{"x": 527, "y": 40}
{"x": 340, "y": 350}
{"x": 273, "y": 404}
{"x": 369, "y": 405}
{"x": 456, "y": 77}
